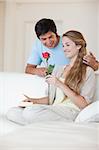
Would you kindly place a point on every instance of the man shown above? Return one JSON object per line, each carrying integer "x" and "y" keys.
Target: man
{"x": 91, "y": 61}
{"x": 48, "y": 41}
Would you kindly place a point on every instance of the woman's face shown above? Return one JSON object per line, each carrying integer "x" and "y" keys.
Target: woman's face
{"x": 71, "y": 50}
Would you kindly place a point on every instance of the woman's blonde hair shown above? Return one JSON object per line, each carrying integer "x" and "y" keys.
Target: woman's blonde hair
{"x": 77, "y": 73}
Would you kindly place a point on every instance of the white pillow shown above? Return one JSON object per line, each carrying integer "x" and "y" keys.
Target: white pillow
{"x": 14, "y": 85}
{"x": 89, "y": 114}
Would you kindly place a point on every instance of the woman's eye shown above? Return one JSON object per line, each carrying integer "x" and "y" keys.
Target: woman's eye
{"x": 66, "y": 45}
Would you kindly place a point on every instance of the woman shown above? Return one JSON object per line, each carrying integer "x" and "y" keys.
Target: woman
{"x": 71, "y": 87}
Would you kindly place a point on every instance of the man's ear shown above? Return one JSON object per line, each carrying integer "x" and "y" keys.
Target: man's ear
{"x": 78, "y": 47}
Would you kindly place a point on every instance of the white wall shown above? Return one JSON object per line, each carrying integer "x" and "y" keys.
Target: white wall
{"x": 98, "y": 29}
{"x": 20, "y": 19}
{"x": 1, "y": 34}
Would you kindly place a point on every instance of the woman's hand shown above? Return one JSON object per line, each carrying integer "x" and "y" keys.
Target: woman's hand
{"x": 27, "y": 102}
{"x": 51, "y": 79}
{"x": 28, "y": 99}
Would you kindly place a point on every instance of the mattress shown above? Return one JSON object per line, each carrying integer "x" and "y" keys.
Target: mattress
{"x": 53, "y": 135}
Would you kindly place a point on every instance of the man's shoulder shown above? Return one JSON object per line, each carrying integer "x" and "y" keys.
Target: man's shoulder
{"x": 37, "y": 44}
{"x": 37, "y": 41}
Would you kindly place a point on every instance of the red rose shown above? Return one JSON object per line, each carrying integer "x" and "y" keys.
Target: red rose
{"x": 46, "y": 55}
{"x": 50, "y": 68}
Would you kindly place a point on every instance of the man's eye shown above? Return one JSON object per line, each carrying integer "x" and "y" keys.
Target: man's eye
{"x": 43, "y": 39}
{"x": 50, "y": 37}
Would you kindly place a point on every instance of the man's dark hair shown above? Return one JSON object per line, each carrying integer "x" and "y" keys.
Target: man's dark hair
{"x": 45, "y": 25}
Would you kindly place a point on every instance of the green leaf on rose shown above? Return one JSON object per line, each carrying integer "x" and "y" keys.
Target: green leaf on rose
{"x": 50, "y": 69}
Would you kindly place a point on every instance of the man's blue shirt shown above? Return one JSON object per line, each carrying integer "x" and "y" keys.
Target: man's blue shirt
{"x": 57, "y": 56}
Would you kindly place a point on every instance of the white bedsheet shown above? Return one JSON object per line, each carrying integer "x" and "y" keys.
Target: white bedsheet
{"x": 53, "y": 136}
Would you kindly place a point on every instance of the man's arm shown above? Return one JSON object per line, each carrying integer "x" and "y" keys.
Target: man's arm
{"x": 32, "y": 69}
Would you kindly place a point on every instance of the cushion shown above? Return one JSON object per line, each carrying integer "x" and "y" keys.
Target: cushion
{"x": 89, "y": 113}
{"x": 14, "y": 85}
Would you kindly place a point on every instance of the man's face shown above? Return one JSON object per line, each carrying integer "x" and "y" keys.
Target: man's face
{"x": 49, "y": 39}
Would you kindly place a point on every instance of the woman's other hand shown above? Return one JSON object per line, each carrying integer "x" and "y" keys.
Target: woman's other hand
{"x": 28, "y": 99}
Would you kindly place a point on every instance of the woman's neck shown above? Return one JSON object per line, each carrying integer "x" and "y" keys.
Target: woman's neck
{"x": 72, "y": 60}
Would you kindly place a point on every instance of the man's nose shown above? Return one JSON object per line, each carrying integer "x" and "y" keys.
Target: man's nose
{"x": 48, "y": 41}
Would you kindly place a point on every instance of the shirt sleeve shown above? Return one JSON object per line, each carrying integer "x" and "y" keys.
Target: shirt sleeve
{"x": 35, "y": 58}
{"x": 52, "y": 92}
{"x": 88, "y": 88}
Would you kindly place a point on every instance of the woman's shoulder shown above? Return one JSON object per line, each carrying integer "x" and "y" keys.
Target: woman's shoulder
{"x": 58, "y": 69}
{"x": 90, "y": 72}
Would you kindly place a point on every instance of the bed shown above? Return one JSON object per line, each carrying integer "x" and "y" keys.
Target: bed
{"x": 53, "y": 136}
{"x": 49, "y": 135}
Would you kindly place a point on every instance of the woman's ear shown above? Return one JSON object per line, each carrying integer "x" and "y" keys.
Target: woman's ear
{"x": 79, "y": 46}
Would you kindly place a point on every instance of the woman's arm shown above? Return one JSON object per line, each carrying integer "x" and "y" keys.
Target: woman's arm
{"x": 77, "y": 99}
{"x": 43, "y": 100}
